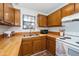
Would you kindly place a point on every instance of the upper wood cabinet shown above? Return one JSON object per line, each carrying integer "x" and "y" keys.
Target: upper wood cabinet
{"x": 1, "y": 11}
{"x": 42, "y": 20}
{"x": 12, "y": 16}
{"x": 68, "y": 10}
{"x": 17, "y": 17}
{"x": 8, "y": 16}
{"x": 54, "y": 19}
{"x": 76, "y": 7}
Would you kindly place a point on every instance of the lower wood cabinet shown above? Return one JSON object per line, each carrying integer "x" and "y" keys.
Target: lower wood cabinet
{"x": 51, "y": 45}
{"x": 34, "y": 45}
{"x": 26, "y": 47}
{"x": 43, "y": 43}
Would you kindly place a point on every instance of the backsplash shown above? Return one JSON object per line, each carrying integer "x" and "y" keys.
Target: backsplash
{"x": 3, "y": 28}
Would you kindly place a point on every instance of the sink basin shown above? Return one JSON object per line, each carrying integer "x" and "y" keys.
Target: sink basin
{"x": 32, "y": 35}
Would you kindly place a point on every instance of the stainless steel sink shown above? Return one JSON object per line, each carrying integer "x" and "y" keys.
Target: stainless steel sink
{"x": 32, "y": 35}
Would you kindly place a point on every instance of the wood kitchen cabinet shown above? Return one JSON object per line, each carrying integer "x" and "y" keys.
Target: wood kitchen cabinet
{"x": 68, "y": 10}
{"x": 1, "y": 11}
{"x": 20, "y": 50}
{"x": 43, "y": 43}
{"x": 12, "y": 16}
{"x": 42, "y": 20}
{"x": 32, "y": 45}
{"x": 26, "y": 47}
{"x": 54, "y": 19}
{"x": 8, "y": 13}
{"x": 51, "y": 45}
{"x": 76, "y": 7}
{"x": 36, "y": 45}
{"x": 17, "y": 17}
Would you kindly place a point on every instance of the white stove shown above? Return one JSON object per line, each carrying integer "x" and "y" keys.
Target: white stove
{"x": 67, "y": 46}
{"x": 71, "y": 40}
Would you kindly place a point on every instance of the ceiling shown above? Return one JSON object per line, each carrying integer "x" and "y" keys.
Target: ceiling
{"x": 42, "y": 7}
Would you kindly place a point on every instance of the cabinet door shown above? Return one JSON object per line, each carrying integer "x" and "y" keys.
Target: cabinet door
{"x": 50, "y": 20}
{"x": 12, "y": 16}
{"x": 17, "y": 17}
{"x": 54, "y": 19}
{"x": 47, "y": 45}
{"x": 36, "y": 46}
{"x": 57, "y": 18}
{"x": 43, "y": 43}
{"x": 20, "y": 51}
{"x": 1, "y": 11}
{"x": 42, "y": 21}
{"x": 27, "y": 47}
{"x": 51, "y": 45}
{"x": 76, "y": 7}
{"x": 68, "y": 10}
{"x": 8, "y": 13}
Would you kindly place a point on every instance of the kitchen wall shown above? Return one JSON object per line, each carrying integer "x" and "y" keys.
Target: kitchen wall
{"x": 54, "y": 29}
{"x": 19, "y": 29}
{"x": 3, "y": 28}
{"x": 69, "y": 27}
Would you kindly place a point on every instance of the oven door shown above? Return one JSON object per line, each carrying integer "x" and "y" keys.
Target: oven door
{"x": 70, "y": 50}
{"x": 73, "y": 50}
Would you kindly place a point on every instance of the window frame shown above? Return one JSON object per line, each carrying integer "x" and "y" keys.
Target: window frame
{"x": 28, "y": 21}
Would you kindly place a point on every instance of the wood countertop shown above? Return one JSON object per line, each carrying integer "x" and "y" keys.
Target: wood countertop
{"x": 10, "y": 46}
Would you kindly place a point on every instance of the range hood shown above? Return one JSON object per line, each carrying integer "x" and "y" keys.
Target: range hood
{"x": 71, "y": 18}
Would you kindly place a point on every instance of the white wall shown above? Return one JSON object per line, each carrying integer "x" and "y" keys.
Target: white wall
{"x": 3, "y": 28}
{"x": 54, "y": 29}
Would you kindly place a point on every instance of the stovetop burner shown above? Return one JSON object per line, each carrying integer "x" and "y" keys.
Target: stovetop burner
{"x": 77, "y": 42}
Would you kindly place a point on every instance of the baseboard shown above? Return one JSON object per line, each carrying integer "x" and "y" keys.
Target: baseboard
{"x": 38, "y": 52}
